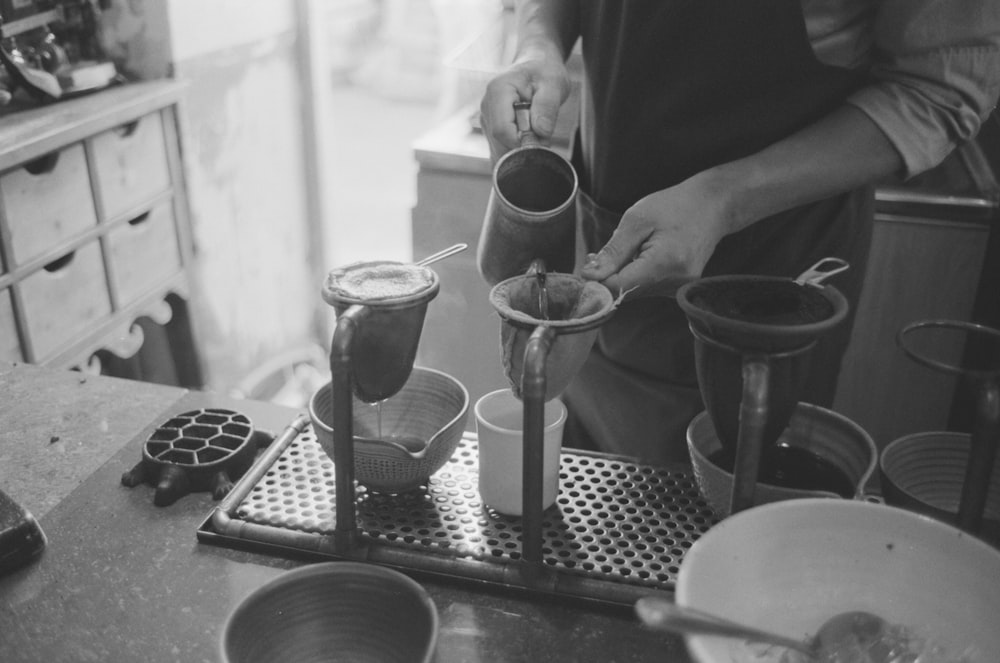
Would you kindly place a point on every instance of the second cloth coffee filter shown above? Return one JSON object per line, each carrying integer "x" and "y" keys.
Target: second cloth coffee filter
{"x": 576, "y": 308}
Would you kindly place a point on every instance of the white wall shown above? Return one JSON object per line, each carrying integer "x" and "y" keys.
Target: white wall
{"x": 245, "y": 154}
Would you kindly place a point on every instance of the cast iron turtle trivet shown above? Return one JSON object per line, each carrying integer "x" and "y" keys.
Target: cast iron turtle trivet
{"x": 198, "y": 450}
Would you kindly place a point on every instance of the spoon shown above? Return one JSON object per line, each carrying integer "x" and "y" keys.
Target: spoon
{"x": 443, "y": 253}
{"x": 411, "y": 446}
{"x": 851, "y": 631}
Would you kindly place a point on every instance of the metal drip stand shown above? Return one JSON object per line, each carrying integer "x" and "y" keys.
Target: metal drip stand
{"x": 984, "y": 383}
{"x": 346, "y": 534}
{"x": 750, "y": 371}
{"x": 756, "y": 407}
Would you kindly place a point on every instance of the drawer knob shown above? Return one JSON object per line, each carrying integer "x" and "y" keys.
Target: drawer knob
{"x": 59, "y": 263}
{"x": 127, "y": 129}
{"x": 43, "y": 165}
{"x": 139, "y": 220}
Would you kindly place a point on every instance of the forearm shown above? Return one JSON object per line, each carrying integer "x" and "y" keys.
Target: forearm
{"x": 546, "y": 28}
{"x": 840, "y": 152}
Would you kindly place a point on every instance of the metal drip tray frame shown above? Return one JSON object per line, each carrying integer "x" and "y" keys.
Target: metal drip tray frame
{"x": 619, "y": 530}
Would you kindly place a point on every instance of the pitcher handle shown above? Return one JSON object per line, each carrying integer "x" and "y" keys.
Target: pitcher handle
{"x": 522, "y": 116}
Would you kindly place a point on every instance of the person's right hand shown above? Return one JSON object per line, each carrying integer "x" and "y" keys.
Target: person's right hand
{"x": 541, "y": 79}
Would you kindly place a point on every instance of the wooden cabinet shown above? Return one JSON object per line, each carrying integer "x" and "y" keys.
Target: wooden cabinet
{"x": 928, "y": 254}
{"x": 94, "y": 235}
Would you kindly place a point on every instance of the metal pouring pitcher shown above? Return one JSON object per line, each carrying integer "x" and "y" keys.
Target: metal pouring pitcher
{"x": 531, "y": 213}
{"x": 753, "y": 336}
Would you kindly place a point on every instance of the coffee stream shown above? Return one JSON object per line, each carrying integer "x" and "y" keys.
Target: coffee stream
{"x": 543, "y": 295}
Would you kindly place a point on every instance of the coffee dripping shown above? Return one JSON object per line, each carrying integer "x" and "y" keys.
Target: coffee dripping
{"x": 380, "y": 307}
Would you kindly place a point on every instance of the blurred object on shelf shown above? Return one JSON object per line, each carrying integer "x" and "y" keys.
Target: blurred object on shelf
{"x": 49, "y": 49}
{"x": 289, "y": 379}
{"x": 476, "y": 49}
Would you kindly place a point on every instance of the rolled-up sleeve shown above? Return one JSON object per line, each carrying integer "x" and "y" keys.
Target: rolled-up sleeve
{"x": 935, "y": 75}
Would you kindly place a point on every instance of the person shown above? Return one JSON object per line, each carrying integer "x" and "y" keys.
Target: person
{"x": 732, "y": 137}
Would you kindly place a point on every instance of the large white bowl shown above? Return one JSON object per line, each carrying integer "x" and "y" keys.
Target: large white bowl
{"x": 788, "y": 566}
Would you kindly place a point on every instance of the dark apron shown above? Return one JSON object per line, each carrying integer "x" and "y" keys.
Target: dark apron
{"x": 695, "y": 84}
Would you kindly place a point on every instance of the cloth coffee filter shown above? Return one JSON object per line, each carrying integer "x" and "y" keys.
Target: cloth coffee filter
{"x": 576, "y": 309}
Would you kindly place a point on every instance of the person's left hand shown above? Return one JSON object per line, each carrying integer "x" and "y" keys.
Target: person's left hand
{"x": 661, "y": 243}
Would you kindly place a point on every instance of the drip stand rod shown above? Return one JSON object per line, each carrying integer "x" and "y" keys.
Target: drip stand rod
{"x": 345, "y": 534}
{"x": 982, "y": 453}
{"x": 750, "y": 439}
{"x": 533, "y": 388}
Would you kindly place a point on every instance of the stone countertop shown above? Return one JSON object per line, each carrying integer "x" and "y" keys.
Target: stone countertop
{"x": 58, "y": 427}
{"x": 122, "y": 579}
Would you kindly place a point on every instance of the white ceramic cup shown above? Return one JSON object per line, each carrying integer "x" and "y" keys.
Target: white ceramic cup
{"x": 499, "y": 420}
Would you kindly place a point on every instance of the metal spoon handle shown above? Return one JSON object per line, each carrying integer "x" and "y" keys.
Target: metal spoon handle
{"x": 822, "y": 270}
{"x": 443, "y": 253}
{"x": 662, "y": 614}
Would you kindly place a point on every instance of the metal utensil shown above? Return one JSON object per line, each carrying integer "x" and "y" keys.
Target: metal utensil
{"x": 662, "y": 614}
{"x": 844, "y": 632}
{"x": 443, "y": 253}
{"x": 822, "y": 270}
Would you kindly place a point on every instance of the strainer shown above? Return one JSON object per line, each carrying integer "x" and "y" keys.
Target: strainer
{"x": 420, "y": 428}
{"x": 576, "y": 308}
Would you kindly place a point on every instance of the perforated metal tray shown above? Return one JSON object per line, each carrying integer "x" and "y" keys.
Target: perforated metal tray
{"x": 619, "y": 530}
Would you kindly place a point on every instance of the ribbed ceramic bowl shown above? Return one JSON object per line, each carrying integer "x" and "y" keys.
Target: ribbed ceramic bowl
{"x": 828, "y": 434}
{"x": 333, "y": 611}
{"x": 789, "y": 566}
{"x": 431, "y": 406}
{"x": 924, "y": 472}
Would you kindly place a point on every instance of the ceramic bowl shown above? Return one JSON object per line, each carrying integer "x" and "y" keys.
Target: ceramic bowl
{"x": 924, "y": 472}
{"x": 333, "y": 611}
{"x": 789, "y": 566}
{"x": 828, "y": 434}
{"x": 431, "y": 407}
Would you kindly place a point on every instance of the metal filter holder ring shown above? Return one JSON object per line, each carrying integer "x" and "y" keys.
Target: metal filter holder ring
{"x": 618, "y": 531}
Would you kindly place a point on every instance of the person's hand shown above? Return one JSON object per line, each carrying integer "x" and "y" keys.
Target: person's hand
{"x": 541, "y": 79}
{"x": 663, "y": 241}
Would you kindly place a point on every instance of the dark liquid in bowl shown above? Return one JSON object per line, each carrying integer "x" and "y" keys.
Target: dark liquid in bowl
{"x": 794, "y": 467}
{"x": 763, "y": 302}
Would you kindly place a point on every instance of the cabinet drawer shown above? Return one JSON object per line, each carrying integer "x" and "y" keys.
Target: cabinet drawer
{"x": 47, "y": 201}
{"x": 131, "y": 164}
{"x": 144, "y": 251}
{"x": 65, "y": 299}
{"x": 10, "y": 348}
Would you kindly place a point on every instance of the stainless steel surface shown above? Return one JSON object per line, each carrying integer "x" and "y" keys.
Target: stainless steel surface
{"x": 618, "y": 530}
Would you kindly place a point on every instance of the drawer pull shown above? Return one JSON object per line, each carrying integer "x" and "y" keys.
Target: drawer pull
{"x": 43, "y": 164}
{"x": 127, "y": 129}
{"x": 59, "y": 263}
{"x": 142, "y": 218}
